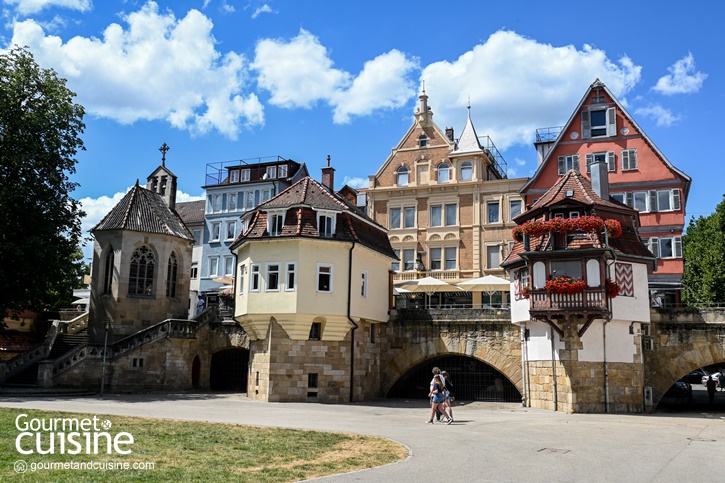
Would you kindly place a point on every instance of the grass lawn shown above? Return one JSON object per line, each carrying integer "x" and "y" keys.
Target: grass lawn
{"x": 188, "y": 451}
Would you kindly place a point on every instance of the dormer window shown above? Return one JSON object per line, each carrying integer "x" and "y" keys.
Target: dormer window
{"x": 402, "y": 176}
{"x": 245, "y": 174}
{"x": 271, "y": 172}
{"x": 444, "y": 173}
{"x": 599, "y": 122}
{"x": 422, "y": 141}
{"x": 234, "y": 176}
{"x": 282, "y": 170}
{"x": 326, "y": 224}
{"x": 275, "y": 223}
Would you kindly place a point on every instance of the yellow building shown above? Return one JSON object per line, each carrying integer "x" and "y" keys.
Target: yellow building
{"x": 312, "y": 286}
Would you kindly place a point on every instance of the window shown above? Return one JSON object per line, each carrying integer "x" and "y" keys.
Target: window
{"x": 272, "y": 277}
{"x": 245, "y": 174}
{"x": 451, "y": 211}
{"x": 108, "y": 272}
{"x": 362, "y": 200}
{"x": 567, "y": 163}
{"x": 372, "y": 333}
{"x": 213, "y": 203}
{"x": 275, "y": 224}
{"x": 422, "y": 141}
{"x": 291, "y": 277}
{"x": 232, "y": 201}
{"x": 395, "y": 266}
{"x": 242, "y": 277}
{"x": 364, "y": 284}
{"x": 435, "y": 215}
{"x": 213, "y": 266}
{"x": 316, "y": 334}
{"x": 171, "y": 276}
{"x": 141, "y": 271}
{"x": 521, "y": 281}
{"x": 137, "y": 362}
{"x": 254, "y": 278}
{"x": 402, "y": 176}
{"x": 444, "y": 173}
{"x": 234, "y": 176}
{"x": 607, "y": 157}
{"x": 282, "y": 171}
{"x": 665, "y": 247}
{"x": 493, "y": 256}
{"x": 665, "y": 200}
{"x": 326, "y": 225}
{"x": 394, "y": 218}
{"x": 197, "y": 236}
{"x": 618, "y": 196}
{"x": 324, "y": 277}
{"x": 569, "y": 268}
{"x": 408, "y": 259}
{"x": 600, "y": 122}
{"x": 435, "y": 258}
{"x": 466, "y": 171}
{"x": 629, "y": 159}
{"x": 514, "y": 208}
{"x": 229, "y": 266}
{"x": 271, "y": 172}
{"x": 450, "y": 260}
{"x": 409, "y": 217}
{"x": 492, "y": 208}
{"x": 215, "y": 231}
{"x": 231, "y": 230}
{"x": 194, "y": 271}
{"x": 265, "y": 195}
{"x": 312, "y": 377}
{"x": 250, "y": 200}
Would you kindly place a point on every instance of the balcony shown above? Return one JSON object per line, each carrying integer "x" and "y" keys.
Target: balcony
{"x": 543, "y": 304}
{"x": 450, "y": 276}
{"x": 548, "y": 134}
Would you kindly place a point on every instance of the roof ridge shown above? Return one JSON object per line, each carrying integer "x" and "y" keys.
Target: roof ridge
{"x": 132, "y": 197}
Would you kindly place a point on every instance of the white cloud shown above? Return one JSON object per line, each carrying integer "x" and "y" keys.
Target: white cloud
{"x": 683, "y": 78}
{"x": 662, "y": 116}
{"x": 355, "y": 182}
{"x": 26, "y": 7}
{"x": 199, "y": 93}
{"x": 517, "y": 85}
{"x": 263, "y": 9}
{"x": 300, "y": 73}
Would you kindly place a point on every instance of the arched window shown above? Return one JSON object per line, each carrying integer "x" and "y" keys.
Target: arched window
{"x": 466, "y": 171}
{"x": 108, "y": 272}
{"x": 171, "y": 278}
{"x": 141, "y": 275}
{"x": 402, "y": 176}
{"x": 444, "y": 173}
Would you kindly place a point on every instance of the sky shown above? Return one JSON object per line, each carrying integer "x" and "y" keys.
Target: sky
{"x": 223, "y": 80}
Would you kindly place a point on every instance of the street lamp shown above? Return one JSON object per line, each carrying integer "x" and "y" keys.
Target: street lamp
{"x": 105, "y": 348}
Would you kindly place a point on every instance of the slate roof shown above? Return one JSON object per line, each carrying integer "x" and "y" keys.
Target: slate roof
{"x": 191, "y": 212}
{"x": 468, "y": 142}
{"x": 301, "y": 200}
{"x": 143, "y": 210}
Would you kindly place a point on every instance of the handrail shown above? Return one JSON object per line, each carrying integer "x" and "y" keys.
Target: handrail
{"x": 36, "y": 353}
{"x": 75, "y": 325}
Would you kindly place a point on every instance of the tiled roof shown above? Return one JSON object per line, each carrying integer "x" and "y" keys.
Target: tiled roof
{"x": 144, "y": 211}
{"x": 581, "y": 189}
{"x": 301, "y": 200}
{"x": 191, "y": 212}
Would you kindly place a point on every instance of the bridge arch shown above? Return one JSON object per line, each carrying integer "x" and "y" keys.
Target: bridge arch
{"x": 228, "y": 370}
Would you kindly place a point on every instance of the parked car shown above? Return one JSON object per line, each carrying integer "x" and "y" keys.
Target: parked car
{"x": 696, "y": 376}
{"x": 679, "y": 393}
{"x": 715, "y": 376}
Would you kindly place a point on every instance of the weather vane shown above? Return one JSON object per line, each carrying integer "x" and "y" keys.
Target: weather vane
{"x": 164, "y": 148}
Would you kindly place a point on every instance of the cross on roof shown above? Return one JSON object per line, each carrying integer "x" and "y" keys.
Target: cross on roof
{"x": 164, "y": 148}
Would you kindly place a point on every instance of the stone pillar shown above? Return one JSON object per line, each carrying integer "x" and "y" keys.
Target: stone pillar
{"x": 45, "y": 373}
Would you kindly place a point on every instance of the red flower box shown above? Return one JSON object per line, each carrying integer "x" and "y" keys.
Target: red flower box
{"x": 589, "y": 224}
{"x": 612, "y": 287}
{"x": 565, "y": 285}
{"x": 560, "y": 225}
{"x": 614, "y": 228}
{"x": 518, "y": 234}
{"x": 534, "y": 228}
{"x": 525, "y": 292}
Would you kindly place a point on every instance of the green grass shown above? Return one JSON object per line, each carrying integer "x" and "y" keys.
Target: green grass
{"x": 194, "y": 451}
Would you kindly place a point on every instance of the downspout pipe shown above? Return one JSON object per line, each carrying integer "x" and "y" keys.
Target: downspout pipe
{"x": 553, "y": 370}
{"x": 354, "y": 325}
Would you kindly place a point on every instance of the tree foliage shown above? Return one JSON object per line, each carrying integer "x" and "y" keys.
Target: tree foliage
{"x": 703, "y": 248}
{"x": 40, "y": 225}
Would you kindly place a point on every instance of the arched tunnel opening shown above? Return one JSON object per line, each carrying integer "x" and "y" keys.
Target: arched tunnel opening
{"x": 690, "y": 393}
{"x": 470, "y": 380}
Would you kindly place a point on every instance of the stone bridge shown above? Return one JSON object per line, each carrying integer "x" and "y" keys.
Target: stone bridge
{"x": 679, "y": 341}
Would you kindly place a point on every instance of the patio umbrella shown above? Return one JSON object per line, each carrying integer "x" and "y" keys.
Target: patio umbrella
{"x": 427, "y": 285}
{"x": 489, "y": 284}
{"x": 223, "y": 280}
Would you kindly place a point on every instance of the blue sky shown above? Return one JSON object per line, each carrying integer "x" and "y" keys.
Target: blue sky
{"x": 221, "y": 80}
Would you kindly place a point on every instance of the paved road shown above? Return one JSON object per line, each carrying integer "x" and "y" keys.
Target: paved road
{"x": 487, "y": 442}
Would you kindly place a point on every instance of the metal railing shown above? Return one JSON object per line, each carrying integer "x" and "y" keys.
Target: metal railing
{"x": 216, "y": 173}
{"x": 548, "y": 134}
{"x": 497, "y": 162}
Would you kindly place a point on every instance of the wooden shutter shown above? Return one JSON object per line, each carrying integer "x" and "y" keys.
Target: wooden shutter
{"x": 589, "y": 157}
{"x": 632, "y": 159}
{"x": 629, "y": 199}
{"x": 611, "y": 161}
{"x": 612, "y": 121}
{"x": 586, "y": 125}
{"x": 678, "y": 246}
{"x": 652, "y": 201}
{"x": 676, "y": 203}
{"x": 562, "y": 165}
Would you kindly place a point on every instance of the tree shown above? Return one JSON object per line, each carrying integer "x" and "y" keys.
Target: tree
{"x": 40, "y": 225}
{"x": 703, "y": 248}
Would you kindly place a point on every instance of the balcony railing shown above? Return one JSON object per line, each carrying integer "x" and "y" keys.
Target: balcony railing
{"x": 451, "y": 276}
{"x": 548, "y": 134}
{"x": 590, "y": 300}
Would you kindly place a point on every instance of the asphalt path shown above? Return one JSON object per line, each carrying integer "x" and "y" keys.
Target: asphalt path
{"x": 487, "y": 441}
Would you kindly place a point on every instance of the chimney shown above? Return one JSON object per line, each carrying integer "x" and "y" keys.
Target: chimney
{"x": 328, "y": 176}
{"x": 600, "y": 179}
{"x": 449, "y": 133}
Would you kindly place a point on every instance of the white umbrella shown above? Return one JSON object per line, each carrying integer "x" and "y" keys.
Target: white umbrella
{"x": 427, "y": 285}
{"x": 81, "y": 302}
{"x": 489, "y": 284}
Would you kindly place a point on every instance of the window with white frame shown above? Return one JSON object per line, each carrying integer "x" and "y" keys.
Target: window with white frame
{"x": 402, "y": 218}
{"x": 326, "y": 224}
{"x": 291, "y": 273}
{"x": 606, "y": 157}
{"x": 275, "y": 223}
{"x": 250, "y": 200}
{"x": 234, "y": 176}
{"x": 194, "y": 271}
{"x": 242, "y": 277}
{"x": 231, "y": 230}
{"x": 629, "y": 159}
{"x": 213, "y": 267}
{"x": 245, "y": 174}
{"x": 652, "y": 200}
{"x": 493, "y": 214}
{"x": 450, "y": 261}
{"x": 229, "y": 266}
{"x": 664, "y": 247}
{"x": 444, "y": 173}
{"x": 282, "y": 171}
{"x": 408, "y": 259}
{"x": 197, "y": 236}
{"x": 409, "y": 217}
{"x": 216, "y": 227}
{"x": 451, "y": 214}
{"x": 364, "y": 284}
{"x": 272, "y": 274}
{"x": 599, "y": 122}
{"x": 265, "y": 195}
{"x": 402, "y": 176}
{"x": 214, "y": 203}
{"x": 514, "y": 208}
{"x": 493, "y": 256}
{"x": 443, "y": 258}
{"x": 254, "y": 278}
{"x": 232, "y": 205}
{"x": 466, "y": 171}
{"x": 567, "y": 163}
{"x": 324, "y": 277}
{"x": 394, "y": 218}
{"x": 271, "y": 172}
{"x": 436, "y": 215}
{"x": 436, "y": 258}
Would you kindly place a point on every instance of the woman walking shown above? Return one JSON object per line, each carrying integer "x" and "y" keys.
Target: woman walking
{"x": 438, "y": 397}
{"x": 448, "y": 396}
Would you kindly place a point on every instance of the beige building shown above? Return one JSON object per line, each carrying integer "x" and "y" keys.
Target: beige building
{"x": 312, "y": 288}
{"x": 448, "y": 204}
